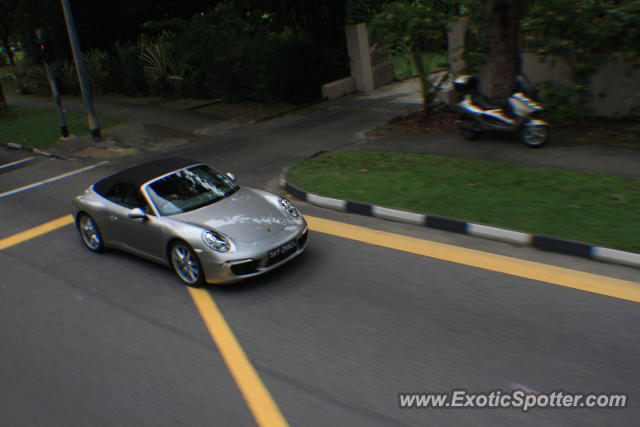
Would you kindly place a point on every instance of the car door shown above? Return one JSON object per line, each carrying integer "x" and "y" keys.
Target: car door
{"x": 143, "y": 236}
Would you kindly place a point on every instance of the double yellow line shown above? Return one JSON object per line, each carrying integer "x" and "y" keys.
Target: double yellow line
{"x": 259, "y": 401}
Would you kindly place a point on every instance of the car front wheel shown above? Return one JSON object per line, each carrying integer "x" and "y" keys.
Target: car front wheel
{"x": 185, "y": 264}
{"x": 90, "y": 233}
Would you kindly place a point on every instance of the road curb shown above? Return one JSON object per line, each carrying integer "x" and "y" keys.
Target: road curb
{"x": 546, "y": 243}
{"x": 34, "y": 150}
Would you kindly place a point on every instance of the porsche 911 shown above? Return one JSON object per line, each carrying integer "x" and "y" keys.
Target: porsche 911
{"x": 184, "y": 214}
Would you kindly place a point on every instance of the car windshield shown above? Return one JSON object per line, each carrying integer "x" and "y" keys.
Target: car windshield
{"x": 189, "y": 189}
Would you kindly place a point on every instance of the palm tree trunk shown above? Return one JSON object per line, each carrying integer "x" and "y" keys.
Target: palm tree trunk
{"x": 502, "y": 30}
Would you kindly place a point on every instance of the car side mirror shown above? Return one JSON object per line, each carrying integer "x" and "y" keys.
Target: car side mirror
{"x": 232, "y": 177}
{"x": 137, "y": 213}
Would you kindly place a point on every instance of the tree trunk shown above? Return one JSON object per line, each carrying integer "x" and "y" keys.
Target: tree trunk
{"x": 422, "y": 76}
{"x": 502, "y": 30}
{"x": 3, "y": 99}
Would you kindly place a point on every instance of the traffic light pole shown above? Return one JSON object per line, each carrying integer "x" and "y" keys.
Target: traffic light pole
{"x": 53, "y": 84}
{"x": 94, "y": 127}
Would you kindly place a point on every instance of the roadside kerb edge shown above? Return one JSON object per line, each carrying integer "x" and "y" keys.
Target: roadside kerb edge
{"x": 547, "y": 243}
{"x": 34, "y": 150}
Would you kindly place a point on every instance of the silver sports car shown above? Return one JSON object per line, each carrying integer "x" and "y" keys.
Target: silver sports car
{"x": 186, "y": 215}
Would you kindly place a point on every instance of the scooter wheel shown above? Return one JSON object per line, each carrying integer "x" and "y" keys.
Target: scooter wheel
{"x": 534, "y": 135}
{"x": 467, "y": 129}
{"x": 470, "y": 134}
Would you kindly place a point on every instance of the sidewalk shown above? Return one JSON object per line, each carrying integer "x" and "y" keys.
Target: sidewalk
{"x": 508, "y": 149}
{"x": 155, "y": 129}
{"x": 151, "y": 128}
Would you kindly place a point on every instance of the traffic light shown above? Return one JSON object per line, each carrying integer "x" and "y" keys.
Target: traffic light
{"x": 43, "y": 49}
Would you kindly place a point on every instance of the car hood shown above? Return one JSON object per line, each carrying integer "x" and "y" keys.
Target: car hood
{"x": 244, "y": 216}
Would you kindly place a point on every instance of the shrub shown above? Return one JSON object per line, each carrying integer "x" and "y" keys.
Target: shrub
{"x": 127, "y": 74}
{"x": 164, "y": 71}
{"x": 97, "y": 64}
{"x": 25, "y": 79}
{"x": 236, "y": 55}
{"x": 68, "y": 78}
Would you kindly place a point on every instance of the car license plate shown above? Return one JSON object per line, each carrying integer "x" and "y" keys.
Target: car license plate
{"x": 283, "y": 250}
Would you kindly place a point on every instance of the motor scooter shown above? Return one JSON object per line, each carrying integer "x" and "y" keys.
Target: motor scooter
{"x": 517, "y": 115}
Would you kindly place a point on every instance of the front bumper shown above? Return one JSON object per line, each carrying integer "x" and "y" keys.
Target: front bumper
{"x": 250, "y": 265}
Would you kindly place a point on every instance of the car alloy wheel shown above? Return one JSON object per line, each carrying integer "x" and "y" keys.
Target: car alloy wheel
{"x": 185, "y": 264}
{"x": 90, "y": 233}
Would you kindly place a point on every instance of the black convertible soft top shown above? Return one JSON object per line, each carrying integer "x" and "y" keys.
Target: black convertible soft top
{"x": 139, "y": 174}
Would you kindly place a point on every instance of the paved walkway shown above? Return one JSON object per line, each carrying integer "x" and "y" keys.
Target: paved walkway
{"x": 558, "y": 154}
{"x": 154, "y": 129}
{"x": 151, "y": 128}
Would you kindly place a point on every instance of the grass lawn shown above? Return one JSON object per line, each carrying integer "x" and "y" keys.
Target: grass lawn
{"x": 41, "y": 127}
{"x": 404, "y": 67}
{"x": 593, "y": 208}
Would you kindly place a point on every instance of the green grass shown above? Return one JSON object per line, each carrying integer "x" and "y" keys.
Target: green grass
{"x": 403, "y": 66}
{"x": 594, "y": 208}
{"x": 41, "y": 127}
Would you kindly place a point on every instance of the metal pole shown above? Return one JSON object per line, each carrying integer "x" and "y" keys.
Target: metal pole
{"x": 94, "y": 127}
{"x": 55, "y": 90}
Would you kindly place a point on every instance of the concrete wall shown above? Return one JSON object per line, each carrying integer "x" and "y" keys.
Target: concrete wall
{"x": 615, "y": 87}
{"x": 360, "y": 56}
{"x": 338, "y": 88}
{"x": 616, "y": 90}
{"x": 362, "y": 75}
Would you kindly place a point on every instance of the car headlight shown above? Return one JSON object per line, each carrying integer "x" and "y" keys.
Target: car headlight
{"x": 216, "y": 241}
{"x": 288, "y": 206}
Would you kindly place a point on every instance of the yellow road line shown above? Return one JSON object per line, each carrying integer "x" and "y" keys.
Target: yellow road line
{"x": 516, "y": 267}
{"x": 257, "y": 396}
{"x": 260, "y": 402}
{"x": 35, "y": 231}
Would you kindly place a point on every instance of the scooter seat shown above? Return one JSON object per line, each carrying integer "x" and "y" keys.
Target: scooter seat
{"x": 486, "y": 104}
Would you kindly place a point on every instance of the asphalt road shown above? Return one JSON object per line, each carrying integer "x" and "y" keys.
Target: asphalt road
{"x": 109, "y": 339}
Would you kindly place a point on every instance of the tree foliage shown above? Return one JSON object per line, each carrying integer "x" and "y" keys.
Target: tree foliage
{"x": 413, "y": 27}
{"x": 584, "y": 27}
{"x": 233, "y": 53}
{"x": 587, "y": 33}
{"x": 9, "y": 16}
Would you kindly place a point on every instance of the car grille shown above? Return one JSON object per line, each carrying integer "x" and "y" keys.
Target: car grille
{"x": 245, "y": 268}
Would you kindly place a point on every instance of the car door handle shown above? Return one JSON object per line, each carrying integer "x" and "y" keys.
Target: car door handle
{"x": 114, "y": 217}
